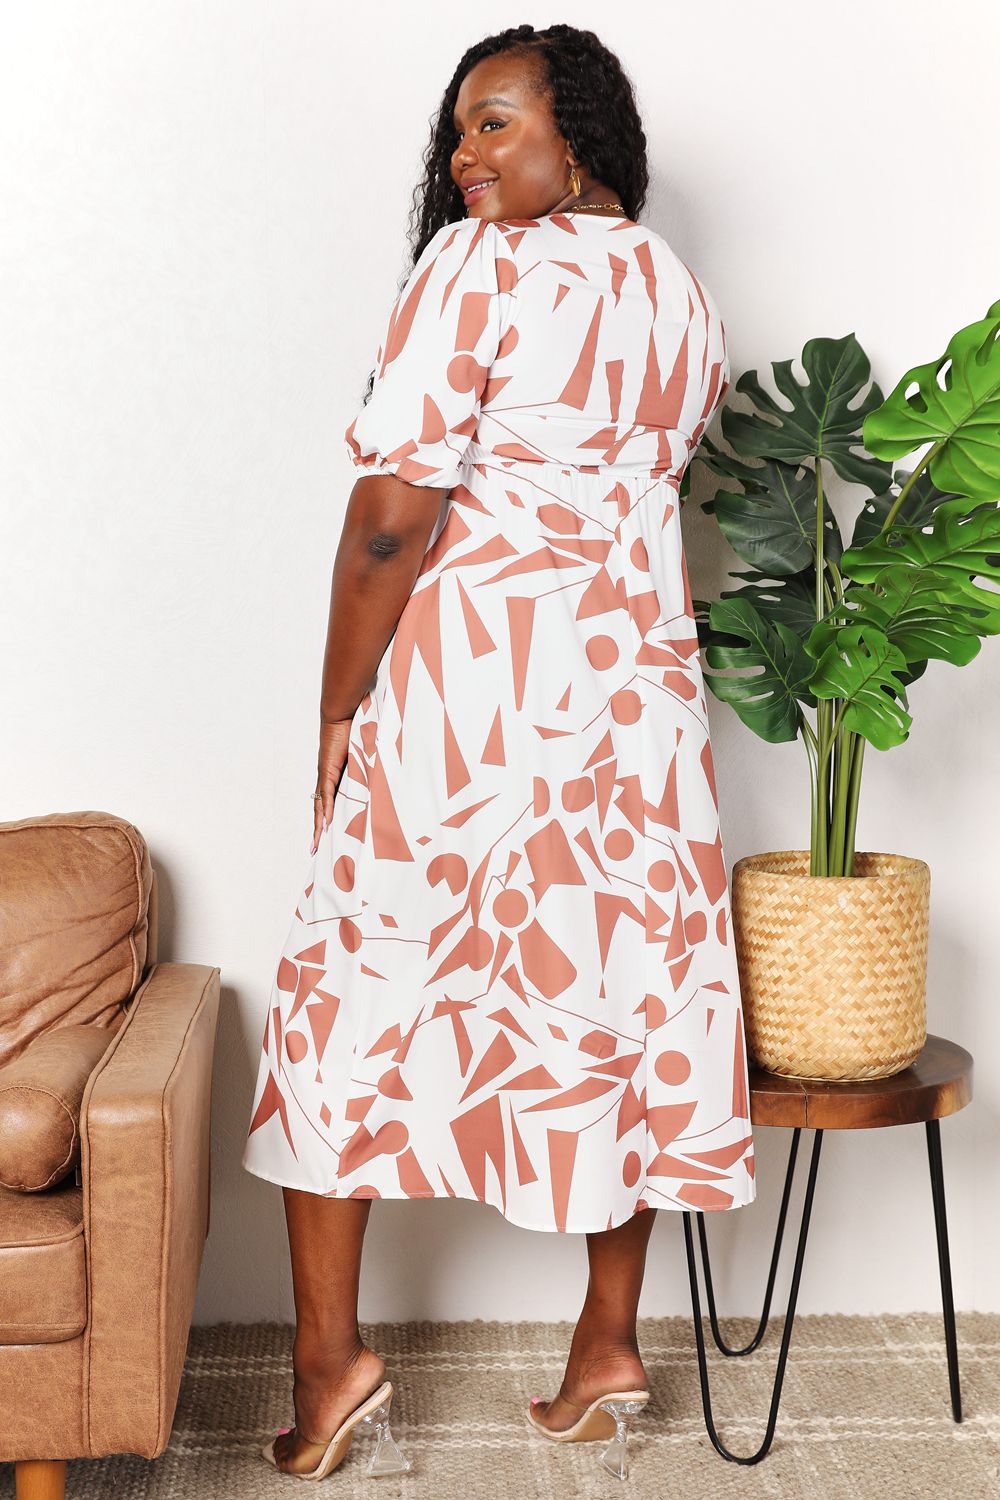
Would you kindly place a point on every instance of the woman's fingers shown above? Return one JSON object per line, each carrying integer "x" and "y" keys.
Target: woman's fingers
{"x": 334, "y": 739}
{"x": 319, "y": 825}
{"x": 322, "y": 809}
{"x": 321, "y": 817}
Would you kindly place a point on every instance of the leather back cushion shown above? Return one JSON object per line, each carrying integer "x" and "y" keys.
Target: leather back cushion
{"x": 74, "y": 922}
{"x": 40, "y": 1096}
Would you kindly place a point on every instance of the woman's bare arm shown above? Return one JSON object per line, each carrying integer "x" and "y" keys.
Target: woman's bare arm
{"x": 386, "y": 530}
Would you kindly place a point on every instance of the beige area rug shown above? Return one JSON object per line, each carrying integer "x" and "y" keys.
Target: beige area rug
{"x": 864, "y": 1413}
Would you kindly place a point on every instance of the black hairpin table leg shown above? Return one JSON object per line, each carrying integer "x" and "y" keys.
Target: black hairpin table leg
{"x": 944, "y": 1263}
{"x": 775, "y": 1254}
{"x": 786, "y": 1337}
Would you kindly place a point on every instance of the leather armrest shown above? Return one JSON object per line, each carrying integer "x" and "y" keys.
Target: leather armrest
{"x": 145, "y": 1133}
{"x": 41, "y": 1092}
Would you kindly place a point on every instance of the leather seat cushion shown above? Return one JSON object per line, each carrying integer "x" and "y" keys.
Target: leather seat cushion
{"x": 40, "y": 1096}
{"x": 43, "y": 1282}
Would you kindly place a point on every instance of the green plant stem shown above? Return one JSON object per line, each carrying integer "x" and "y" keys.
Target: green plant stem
{"x": 821, "y": 583}
{"x": 897, "y": 504}
{"x": 812, "y": 744}
{"x": 851, "y": 819}
{"x": 823, "y": 714}
{"x": 836, "y": 849}
{"x": 837, "y": 578}
{"x": 841, "y": 796}
{"x": 835, "y": 727}
{"x": 836, "y": 841}
{"x": 820, "y": 797}
{"x": 809, "y": 740}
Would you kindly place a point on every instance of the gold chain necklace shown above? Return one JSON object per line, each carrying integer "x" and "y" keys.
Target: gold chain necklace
{"x": 582, "y": 207}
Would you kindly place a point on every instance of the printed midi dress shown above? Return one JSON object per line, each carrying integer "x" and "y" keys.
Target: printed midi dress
{"x": 510, "y": 975}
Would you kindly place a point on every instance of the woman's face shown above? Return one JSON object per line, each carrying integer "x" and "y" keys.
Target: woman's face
{"x": 506, "y": 135}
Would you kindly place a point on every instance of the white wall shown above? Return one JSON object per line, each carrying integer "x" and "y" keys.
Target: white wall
{"x": 202, "y": 218}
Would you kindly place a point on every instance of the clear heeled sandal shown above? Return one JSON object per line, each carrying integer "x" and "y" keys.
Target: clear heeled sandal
{"x": 373, "y": 1413}
{"x": 609, "y": 1416}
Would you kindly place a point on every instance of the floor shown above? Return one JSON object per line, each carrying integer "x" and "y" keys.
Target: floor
{"x": 865, "y": 1413}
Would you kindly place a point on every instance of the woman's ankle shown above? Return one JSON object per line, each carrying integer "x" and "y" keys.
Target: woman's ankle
{"x": 595, "y": 1332}
{"x": 321, "y": 1357}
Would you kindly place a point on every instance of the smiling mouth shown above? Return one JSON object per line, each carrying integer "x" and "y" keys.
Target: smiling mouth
{"x": 476, "y": 190}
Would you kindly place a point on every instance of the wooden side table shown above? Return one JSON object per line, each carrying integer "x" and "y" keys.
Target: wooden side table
{"x": 939, "y": 1083}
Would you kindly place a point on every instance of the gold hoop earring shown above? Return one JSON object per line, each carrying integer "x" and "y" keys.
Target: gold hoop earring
{"x": 574, "y": 178}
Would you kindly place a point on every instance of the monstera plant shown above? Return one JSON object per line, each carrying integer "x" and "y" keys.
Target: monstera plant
{"x": 826, "y": 633}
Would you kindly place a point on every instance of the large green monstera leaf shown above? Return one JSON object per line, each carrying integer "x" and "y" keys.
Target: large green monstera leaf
{"x": 863, "y": 668}
{"x": 922, "y": 500}
{"x": 912, "y": 613}
{"x": 822, "y": 423}
{"x": 713, "y": 457}
{"x": 768, "y": 701}
{"x": 783, "y": 601}
{"x": 960, "y": 413}
{"x": 961, "y": 548}
{"x": 773, "y": 525}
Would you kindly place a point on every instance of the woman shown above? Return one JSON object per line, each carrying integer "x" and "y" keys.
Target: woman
{"x": 511, "y": 976}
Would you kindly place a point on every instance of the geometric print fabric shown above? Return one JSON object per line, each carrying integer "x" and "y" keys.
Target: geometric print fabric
{"x": 510, "y": 975}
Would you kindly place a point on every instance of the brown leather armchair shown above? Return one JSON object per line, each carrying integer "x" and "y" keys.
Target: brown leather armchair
{"x": 98, "y": 1270}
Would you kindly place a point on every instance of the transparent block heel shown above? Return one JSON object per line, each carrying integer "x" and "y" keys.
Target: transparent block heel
{"x": 615, "y": 1456}
{"x": 373, "y": 1413}
{"x": 386, "y": 1457}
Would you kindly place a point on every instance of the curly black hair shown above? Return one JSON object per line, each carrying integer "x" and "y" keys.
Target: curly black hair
{"x": 594, "y": 106}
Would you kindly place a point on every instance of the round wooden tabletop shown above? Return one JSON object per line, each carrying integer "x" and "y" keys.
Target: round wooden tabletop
{"x": 938, "y": 1083}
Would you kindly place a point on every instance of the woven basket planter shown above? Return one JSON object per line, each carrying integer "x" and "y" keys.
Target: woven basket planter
{"x": 833, "y": 968}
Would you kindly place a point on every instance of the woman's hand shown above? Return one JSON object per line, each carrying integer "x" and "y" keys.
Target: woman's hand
{"x": 334, "y": 735}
